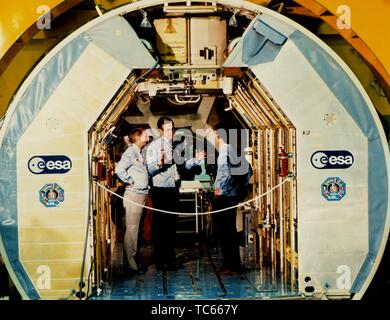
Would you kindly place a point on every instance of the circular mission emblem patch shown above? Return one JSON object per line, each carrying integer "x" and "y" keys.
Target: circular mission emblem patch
{"x": 333, "y": 189}
{"x": 51, "y": 195}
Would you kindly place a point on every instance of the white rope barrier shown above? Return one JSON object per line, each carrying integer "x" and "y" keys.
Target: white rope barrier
{"x": 194, "y": 213}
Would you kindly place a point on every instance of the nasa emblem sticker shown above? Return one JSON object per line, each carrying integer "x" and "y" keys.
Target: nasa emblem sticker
{"x": 51, "y": 195}
{"x": 333, "y": 189}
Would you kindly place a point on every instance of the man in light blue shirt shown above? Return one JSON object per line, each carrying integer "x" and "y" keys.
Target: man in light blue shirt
{"x": 162, "y": 167}
{"x": 233, "y": 174}
{"x": 132, "y": 170}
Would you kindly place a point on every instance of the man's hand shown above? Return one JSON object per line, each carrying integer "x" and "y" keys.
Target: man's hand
{"x": 217, "y": 192}
{"x": 162, "y": 159}
{"x": 131, "y": 182}
{"x": 200, "y": 155}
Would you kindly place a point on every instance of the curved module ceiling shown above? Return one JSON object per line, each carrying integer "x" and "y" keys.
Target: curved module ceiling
{"x": 65, "y": 94}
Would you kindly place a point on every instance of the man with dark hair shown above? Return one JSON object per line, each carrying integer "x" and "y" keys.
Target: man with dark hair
{"x": 165, "y": 193}
{"x": 233, "y": 174}
{"x": 131, "y": 169}
{"x": 164, "y": 120}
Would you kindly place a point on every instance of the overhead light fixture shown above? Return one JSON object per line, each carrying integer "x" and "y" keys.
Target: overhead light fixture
{"x": 188, "y": 8}
{"x": 230, "y": 107}
{"x": 170, "y": 27}
{"x": 145, "y": 23}
{"x": 233, "y": 20}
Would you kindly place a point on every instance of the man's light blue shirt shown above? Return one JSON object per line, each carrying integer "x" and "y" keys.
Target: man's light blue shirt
{"x": 230, "y": 168}
{"x": 167, "y": 175}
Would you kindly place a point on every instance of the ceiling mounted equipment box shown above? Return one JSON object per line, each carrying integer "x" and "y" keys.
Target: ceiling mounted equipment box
{"x": 172, "y": 39}
{"x": 208, "y": 41}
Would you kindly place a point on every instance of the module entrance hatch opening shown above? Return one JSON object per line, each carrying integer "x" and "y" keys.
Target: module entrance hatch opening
{"x": 297, "y": 99}
{"x": 264, "y": 245}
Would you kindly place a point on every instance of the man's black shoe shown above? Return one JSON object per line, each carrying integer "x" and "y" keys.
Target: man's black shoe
{"x": 129, "y": 272}
{"x": 142, "y": 269}
{"x": 161, "y": 267}
{"x": 175, "y": 266}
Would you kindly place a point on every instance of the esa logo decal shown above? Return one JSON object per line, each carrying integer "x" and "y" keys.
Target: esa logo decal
{"x": 333, "y": 189}
{"x": 49, "y": 164}
{"x": 340, "y": 159}
{"x": 51, "y": 195}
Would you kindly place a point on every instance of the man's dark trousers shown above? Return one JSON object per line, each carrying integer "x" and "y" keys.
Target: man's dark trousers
{"x": 225, "y": 227}
{"x": 164, "y": 225}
